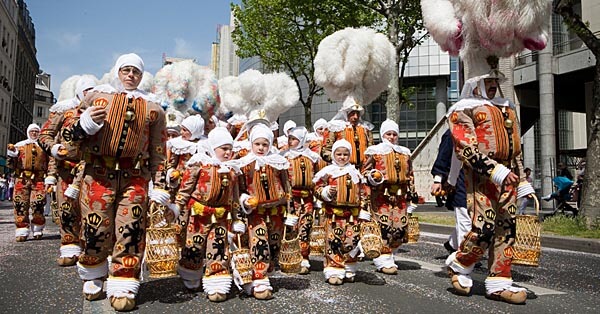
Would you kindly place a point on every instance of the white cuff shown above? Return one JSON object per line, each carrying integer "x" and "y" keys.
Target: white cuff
{"x": 364, "y": 215}
{"x": 260, "y": 285}
{"x": 351, "y": 269}
{"x": 87, "y": 123}
{"x": 70, "y": 250}
{"x": 92, "y": 286}
{"x": 372, "y": 180}
{"x": 291, "y": 220}
{"x": 50, "y": 180}
{"x": 499, "y": 173}
{"x": 54, "y": 151}
{"x": 160, "y": 196}
{"x": 243, "y": 198}
{"x": 495, "y": 284}
{"x": 175, "y": 209}
{"x": 334, "y": 272}
{"x": 122, "y": 287}
{"x": 188, "y": 274}
{"x": 169, "y": 183}
{"x": 72, "y": 192}
{"x": 325, "y": 194}
{"x": 216, "y": 284}
{"x": 12, "y": 153}
{"x": 457, "y": 267}
{"x": 384, "y": 261}
{"x": 524, "y": 189}
{"x": 411, "y": 208}
{"x": 437, "y": 179}
{"x": 37, "y": 229}
{"x": 92, "y": 272}
{"x": 22, "y": 232}
{"x": 239, "y": 227}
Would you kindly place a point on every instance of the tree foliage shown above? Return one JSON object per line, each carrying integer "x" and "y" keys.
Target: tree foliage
{"x": 591, "y": 186}
{"x": 285, "y": 34}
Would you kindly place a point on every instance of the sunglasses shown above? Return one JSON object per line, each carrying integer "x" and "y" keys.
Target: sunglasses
{"x": 126, "y": 70}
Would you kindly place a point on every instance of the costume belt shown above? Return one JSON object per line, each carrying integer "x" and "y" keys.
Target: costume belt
{"x": 114, "y": 163}
{"x": 507, "y": 163}
{"x": 200, "y": 209}
{"x": 342, "y": 211}
{"x": 301, "y": 193}
{"x": 66, "y": 164}
{"x": 271, "y": 211}
{"x": 29, "y": 174}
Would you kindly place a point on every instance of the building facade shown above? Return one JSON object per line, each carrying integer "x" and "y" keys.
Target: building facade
{"x": 26, "y": 69}
{"x": 8, "y": 51}
{"x": 43, "y": 100}
{"x": 224, "y": 61}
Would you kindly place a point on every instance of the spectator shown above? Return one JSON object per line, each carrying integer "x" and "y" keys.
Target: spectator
{"x": 563, "y": 171}
{"x": 525, "y": 199}
{"x": 3, "y": 186}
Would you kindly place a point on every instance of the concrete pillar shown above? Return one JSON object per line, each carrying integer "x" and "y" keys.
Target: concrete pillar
{"x": 528, "y": 140}
{"x": 441, "y": 97}
{"x": 547, "y": 118}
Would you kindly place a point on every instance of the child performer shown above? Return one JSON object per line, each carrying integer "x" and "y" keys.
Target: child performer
{"x": 340, "y": 186}
{"x": 181, "y": 149}
{"x": 389, "y": 173}
{"x": 264, "y": 194}
{"x": 304, "y": 163}
{"x": 208, "y": 186}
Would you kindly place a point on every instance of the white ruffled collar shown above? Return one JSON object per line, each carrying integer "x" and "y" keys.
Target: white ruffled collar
{"x": 386, "y": 147}
{"x": 294, "y": 153}
{"x": 335, "y": 171}
{"x": 472, "y": 102}
{"x": 337, "y": 125}
{"x": 64, "y": 105}
{"x": 179, "y": 146}
{"x": 274, "y": 160}
{"x": 224, "y": 166}
{"x": 137, "y": 93}
{"x": 25, "y": 142}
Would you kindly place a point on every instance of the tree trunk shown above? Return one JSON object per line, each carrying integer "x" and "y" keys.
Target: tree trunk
{"x": 591, "y": 184}
{"x": 393, "y": 99}
{"x": 308, "y": 113}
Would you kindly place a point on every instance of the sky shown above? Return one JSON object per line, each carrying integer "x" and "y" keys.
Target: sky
{"x": 75, "y": 37}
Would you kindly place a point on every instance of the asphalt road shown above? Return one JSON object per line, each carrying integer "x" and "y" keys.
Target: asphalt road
{"x": 565, "y": 282}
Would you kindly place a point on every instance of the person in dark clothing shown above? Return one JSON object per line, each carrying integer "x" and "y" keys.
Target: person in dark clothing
{"x": 449, "y": 176}
{"x": 563, "y": 171}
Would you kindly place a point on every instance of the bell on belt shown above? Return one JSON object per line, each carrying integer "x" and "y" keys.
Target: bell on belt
{"x": 229, "y": 216}
{"x": 351, "y": 220}
{"x": 129, "y": 115}
{"x": 268, "y": 219}
{"x": 213, "y": 219}
{"x": 508, "y": 123}
{"x": 301, "y": 201}
{"x": 386, "y": 193}
{"x": 225, "y": 181}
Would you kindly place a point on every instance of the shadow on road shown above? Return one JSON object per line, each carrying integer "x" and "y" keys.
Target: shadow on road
{"x": 289, "y": 283}
{"x": 405, "y": 265}
{"x": 369, "y": 278}
{"x": 167, "y": 290}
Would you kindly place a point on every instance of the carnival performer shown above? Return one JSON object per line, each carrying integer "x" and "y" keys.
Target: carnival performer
{"x": 282, "y": 141}
{"x": 264, "y": 195}
{"x": 208, "y": 196}
{"x": 181, "y": 148}
{"x": 122, "y": 135}
{"x": 304, "y": 163}
{"x": 67, "y": 157}
{"x": 30, "y": 164}
{"x": 345, "y": 199}
{"x": 388, "y": 171}
{"x": 349, "y": 126}
{"x": 316, "y": 139}
{"x": 486, "y": 136}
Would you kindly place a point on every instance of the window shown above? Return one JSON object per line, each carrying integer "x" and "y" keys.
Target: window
{"x": 40, "y": 112}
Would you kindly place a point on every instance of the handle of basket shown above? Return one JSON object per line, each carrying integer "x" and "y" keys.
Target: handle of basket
{"x": 239, "y": 241}
{"x": 536, "y": 204}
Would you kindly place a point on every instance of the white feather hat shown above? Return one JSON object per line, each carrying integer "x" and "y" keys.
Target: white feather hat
{"x": 354, "y": 65}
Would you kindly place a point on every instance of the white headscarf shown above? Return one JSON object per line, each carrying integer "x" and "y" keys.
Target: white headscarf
{"x": 29, "y": 140}
{"x": 300, "y": 133}
{"x": 218, "y": 137}
{"x": 469, "y": 100}
{"x": 194, "y": 124}
{"x": 388, "y": 125}
{"x": 334, "y": 170}
{"x": 85, "y": 82}
{"x": 129, "y": 59}
{"x": 287, "y": 126}
{"x": 319, "y": 124}
{"x": 276, "y": 161}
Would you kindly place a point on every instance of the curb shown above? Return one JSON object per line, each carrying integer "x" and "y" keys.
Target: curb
{"x": 555, "y": 242}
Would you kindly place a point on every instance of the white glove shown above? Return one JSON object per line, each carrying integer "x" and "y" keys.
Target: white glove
{"x": 371, "y": 180}
{"x": 364, "y": 215}
{"x": 87, "y": 123}
{"x": 238, "y": 227}
{"x": 175, "y": 209}
{"x": 160, "y": 196}
{"x": 246, "y": 209}
{"x": 12, "y": 153}
{"x": 325, "y": 194}
{"x": 291, "y": 220}
{"x": 54, "y": 150}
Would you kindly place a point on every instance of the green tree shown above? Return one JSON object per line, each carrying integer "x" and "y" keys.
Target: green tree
{"x": 285, "y": 34}
{"x": 591, "y": 186}
{"x": 403, "y": 24}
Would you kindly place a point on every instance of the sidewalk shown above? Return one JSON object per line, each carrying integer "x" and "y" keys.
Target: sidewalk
{"x": 555, "y": 242}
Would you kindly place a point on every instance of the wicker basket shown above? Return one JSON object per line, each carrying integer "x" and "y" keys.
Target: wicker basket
{"x": 413, "y": 229}
{"x": 370, "y": 239}
{"x": 162, "y": 251}
{"x": 290, "y": 256}
{"x": 527, "y": 247}
{"x": 317, "y": 241}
